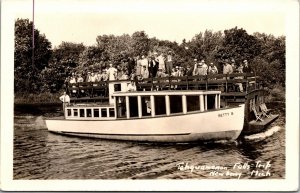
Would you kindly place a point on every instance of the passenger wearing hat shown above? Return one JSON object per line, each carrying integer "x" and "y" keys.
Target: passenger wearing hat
{"x": 246, "y": 68}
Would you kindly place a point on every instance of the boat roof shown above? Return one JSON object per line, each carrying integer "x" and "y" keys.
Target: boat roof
{"x": 165, "y": 92}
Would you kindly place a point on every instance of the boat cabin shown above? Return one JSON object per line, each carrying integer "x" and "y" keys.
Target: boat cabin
{"x": 147, "y": 104}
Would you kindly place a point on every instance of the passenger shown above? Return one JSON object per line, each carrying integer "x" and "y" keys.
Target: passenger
{"x": 104, "y": 75}
{"x": 205, "y": 67}
{"x": 111, "y": 72}
{"x": 88, "y": 77}
{"x": 227, "y": 69}
{"x": 152, "y": 66}
{"x": 212, "y": 69}
{"x": 246, "y": 68}
{"x": 130, "y": 64}
{"x": 73, "y": 82}
{"x": 138, "y": 66}
{"x": 161, "y": 62}
{"x": 99, "y": 76}
{"x": 145, "y": 73}
{"x": 233, "y": 65}
{"x": 160, "y": 73}
{"x": 144, "y": 65}
{"x": 131, "y": 86}
{"x": 196, "y": 70}
{"x": 240, "y": 85}
{"x": 199, "y": 70}
{"x": 169, "y": 63}
{"x": 65, "y": 99}
{"x": 79, "y": 80}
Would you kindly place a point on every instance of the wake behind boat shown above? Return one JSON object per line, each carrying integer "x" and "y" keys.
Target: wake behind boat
{"x": 156, "y": 116}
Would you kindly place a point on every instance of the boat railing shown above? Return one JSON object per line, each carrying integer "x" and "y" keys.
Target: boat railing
{"x": 227, "y": 83}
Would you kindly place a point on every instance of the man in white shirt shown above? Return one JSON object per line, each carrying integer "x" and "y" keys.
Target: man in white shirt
{"x": 65, "y": 100}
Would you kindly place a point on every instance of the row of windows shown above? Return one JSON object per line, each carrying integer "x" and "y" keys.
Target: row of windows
{"x": 95, "y": 112}
{"x": 176, "y": 105}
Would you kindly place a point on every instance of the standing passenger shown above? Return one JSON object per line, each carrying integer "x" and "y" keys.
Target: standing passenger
{"x": 169, "y": 63}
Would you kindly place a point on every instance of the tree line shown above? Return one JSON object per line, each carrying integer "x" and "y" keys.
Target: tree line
{"x": 49, "y": 68}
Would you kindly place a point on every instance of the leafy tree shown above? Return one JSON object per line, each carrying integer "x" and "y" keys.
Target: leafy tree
{"x": 64, "y": 60}
{"x": 140, "y": 43}
{"x": 27, "y": 69}
{"x": 239, "y": 45}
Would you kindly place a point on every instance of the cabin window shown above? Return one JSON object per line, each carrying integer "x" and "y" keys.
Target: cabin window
{"x": 117, "y": 87}
{"x": 89, "y": 112}
{"x": 210, "y": 101}
{"x": 160, "y": 105}
{"x": 146, "y": 106}
{"x": 81, "y": 112}
{"x": 133, "y": 107}
{"x": 193, "y": 103}
{"x": 96, "y": 112}
{"x": 104, "y": 112}
{"x": 69, "y": 112}
{"x": 111, "y": 112}
{"x": 175, "y": 104}
{"x": 75, "y": 112}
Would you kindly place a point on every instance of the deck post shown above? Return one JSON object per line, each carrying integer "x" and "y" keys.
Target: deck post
{"x": 127, "y": 107}
{"x": 219, "y": 101}
{"x": 216, "y": 101}
{"x": 107, "y": 112}
{"x": 152, "y": 101}
{"x": 167, "y": 98}
{"x": 201, "y": 102}
{"x": 184, "y": 106}
{"x": 205, "y": 102}
{"x": 140, "y": 106}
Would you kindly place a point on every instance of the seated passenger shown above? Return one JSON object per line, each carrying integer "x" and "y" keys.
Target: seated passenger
{"x": 131, "y": 86}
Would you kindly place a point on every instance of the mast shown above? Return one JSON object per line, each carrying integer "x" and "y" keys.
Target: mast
{"x": 32, "y": 59}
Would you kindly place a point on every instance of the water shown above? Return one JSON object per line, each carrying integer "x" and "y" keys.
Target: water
{"x": 39, "y": 154}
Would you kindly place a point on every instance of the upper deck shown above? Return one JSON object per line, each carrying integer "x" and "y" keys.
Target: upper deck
{"x": 229, "y": 84}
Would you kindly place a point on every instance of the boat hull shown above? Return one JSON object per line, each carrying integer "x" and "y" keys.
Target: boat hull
{"x": 221, "y": 124}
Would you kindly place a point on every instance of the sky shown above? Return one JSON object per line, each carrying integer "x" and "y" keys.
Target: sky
{"x": 82, "y": 21}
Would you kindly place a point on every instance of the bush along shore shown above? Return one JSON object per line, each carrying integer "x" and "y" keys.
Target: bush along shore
{"x": 40, "y": 98}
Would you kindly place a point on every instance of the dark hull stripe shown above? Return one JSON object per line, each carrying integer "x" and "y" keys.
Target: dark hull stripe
{"x": 176, "y": 134}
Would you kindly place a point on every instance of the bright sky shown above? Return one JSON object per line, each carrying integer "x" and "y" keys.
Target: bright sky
{"x": 174, "y": 20}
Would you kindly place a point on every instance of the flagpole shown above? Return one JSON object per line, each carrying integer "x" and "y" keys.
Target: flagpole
{"x": 33, "y": 35}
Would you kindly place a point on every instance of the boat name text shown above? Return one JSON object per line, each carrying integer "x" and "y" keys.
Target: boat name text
{"x": 225, "y": 114}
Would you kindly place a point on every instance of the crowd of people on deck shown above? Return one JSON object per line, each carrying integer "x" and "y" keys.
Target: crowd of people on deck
{"x": 157, "y": 65}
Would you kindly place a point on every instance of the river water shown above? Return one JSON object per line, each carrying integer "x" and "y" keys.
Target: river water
{"x": 39, "y": 154}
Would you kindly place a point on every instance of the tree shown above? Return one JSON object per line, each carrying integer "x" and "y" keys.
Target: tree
{"x": 238, "y": 45}
{"x": 64, "y": 60}
{"x": 27, "y": 70}
{"x": 140, "y": 43}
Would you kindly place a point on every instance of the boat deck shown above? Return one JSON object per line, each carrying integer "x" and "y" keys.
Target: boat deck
{"x": 258, "y": 126}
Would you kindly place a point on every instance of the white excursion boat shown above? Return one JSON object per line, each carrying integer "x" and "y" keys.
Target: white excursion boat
{"x": 154, "y": 116}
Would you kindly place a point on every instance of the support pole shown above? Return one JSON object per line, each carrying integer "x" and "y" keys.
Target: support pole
{"x": 127, "y": 107}
{"x": 152, "y": 101}
{"x": 140, "y": 106}
{"x": 167, "y": 97}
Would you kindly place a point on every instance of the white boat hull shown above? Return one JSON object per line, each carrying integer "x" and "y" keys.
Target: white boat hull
{"x": 221, "y": 124}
